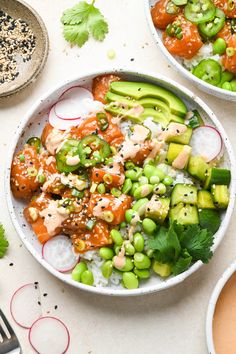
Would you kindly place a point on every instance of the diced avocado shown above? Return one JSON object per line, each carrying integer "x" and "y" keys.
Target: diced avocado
{"x": 198, "y": 168}
{"x": 138, "y": 90}
{"x": 173, "y": 152}
{"x": 157, "y": 208}
{"x": 205, "y": 200}
{"x": 209, "y": 219}
{"x": 162, "y": 269}
{"x": 184, "y": 193}
{"x": 183, "y": 138}
{"x": 220, "y": 196}
{"x": 220, "y": 176}
{"x": 184, "y": 214}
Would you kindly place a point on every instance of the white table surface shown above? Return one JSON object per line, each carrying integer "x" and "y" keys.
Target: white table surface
{"x": 170, "y": 322}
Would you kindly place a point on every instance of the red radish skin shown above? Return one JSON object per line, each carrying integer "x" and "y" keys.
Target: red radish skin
{"x": 207, "y": 142}
{"x": 47, "y": 254}
{"x": 38, "y": 346}
{"x": 76, "y": 92}
{"x": 61, "y": 124}
{"x": 29, "y": 311}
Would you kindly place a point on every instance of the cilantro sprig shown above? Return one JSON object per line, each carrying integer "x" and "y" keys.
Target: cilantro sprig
{"x": 180, "y": 246}
{"x": 81, "y": 21}
{"x": 3, "y": 242}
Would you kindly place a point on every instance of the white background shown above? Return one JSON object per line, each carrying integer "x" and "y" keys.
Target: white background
{"x": 170, "y": 322}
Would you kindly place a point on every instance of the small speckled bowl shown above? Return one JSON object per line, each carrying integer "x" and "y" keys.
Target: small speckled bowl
{"x": 32, "y": 125}
{"x": 28, "y": 71}
{"x": 202, "y": 85}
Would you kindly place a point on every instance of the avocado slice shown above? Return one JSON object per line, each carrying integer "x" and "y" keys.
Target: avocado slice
{"x": 157, "y": 208}
{"x": 139, "y": 90}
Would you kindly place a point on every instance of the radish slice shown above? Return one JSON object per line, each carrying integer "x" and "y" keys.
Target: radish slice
{"x": 58, "y": 252}
{"x": 49, "y": 335}
{"x": 76, "y": 93}
{"x": 59, "y": 123}
{"x": 25, "y": 305}
{"x": 68, "y": 109}
{"x": 206, "y": 141}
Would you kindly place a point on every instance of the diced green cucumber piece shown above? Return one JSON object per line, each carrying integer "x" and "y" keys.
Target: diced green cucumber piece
{"x": 184, "y": 214}
{"x": 162, "y": 269}
{"x": 205, "y": 200}
{"x": 184, "y": 193}
{"x": 173, "y": 152}
{"x": 220, "y": 176}
{"x": 220, "y": 196}
{"x": 198, "y": 168}
{"x": 209, "y": 219}
{"x": 181, "y": 139}
{"x": 157, "y": 208}
{"x": 195, "y": 120}
{"x": 139, "y": 90}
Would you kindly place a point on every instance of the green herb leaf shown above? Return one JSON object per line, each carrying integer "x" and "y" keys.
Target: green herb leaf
{"x": 182, "y": 263}
{"x": 81, "y": 20}
{"x": 3, "y": 242}
{"x": 198, "y": 242}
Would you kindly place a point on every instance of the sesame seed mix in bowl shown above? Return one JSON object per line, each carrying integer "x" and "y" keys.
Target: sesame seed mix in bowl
{"x": 126, "y": 184}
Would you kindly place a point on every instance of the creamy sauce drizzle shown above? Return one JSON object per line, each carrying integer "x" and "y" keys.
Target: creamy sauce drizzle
{"x": 53, "y": 216}
{"x": 54, "y": 140}
{"x": 181, "y": 160}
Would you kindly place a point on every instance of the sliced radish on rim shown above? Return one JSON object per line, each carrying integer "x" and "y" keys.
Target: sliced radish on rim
{"x": 59, "y": 123}
{"x": 207, "y": 142}
{"x": 58, "y": 251}
{"x": 76, "y": 93}
{"x": 49, "y": 335}
{"x": 25, "y": 305}
{"x": 68, "y": 109}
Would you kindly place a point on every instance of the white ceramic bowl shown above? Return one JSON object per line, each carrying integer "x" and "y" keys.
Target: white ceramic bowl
{"x": 212, "y": 304}
{"x": 32, "y": 125}
{"x": 202, "y": 85}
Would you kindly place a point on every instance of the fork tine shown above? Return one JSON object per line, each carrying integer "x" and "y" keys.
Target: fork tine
{"x": 7, "y": 324}
{"x": 2, "y": 332}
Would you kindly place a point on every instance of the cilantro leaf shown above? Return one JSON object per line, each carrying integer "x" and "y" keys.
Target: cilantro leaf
{"x": 166, "y": 245}
{"x": 3, "y": 242}
{"x": 198, "y": 242}
{"x": 182, "y": 263}
{"x": 81, "y": 21}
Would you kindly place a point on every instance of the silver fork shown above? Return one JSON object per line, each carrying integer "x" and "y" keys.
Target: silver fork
{"x": 10, "y": 343}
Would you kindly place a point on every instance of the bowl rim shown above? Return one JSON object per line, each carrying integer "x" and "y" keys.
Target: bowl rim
{"x": 210, "y": 89}
{"x": 148, "y": 75}
{"x": 212, "y": 304}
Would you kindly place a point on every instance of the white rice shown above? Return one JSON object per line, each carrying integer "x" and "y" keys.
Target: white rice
{"x": 205, "y": 52}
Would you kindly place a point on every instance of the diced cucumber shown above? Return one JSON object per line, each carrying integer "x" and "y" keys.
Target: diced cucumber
{"x": 183, "y": 138}
{"x": 184, "y": 214}
{"x": 198, "y": 168}
{"x": 184, "y": 193}
{"x": 173, "y": 152}
{"x": 157, "y": 208}
{"x": 220, "y": 176}
{"x": 205, "y": 200}
{"x": 220, "y": 196}
{"x": 209, "y": 219}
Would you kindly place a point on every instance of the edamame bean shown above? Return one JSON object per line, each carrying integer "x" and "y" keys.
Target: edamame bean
{"x": 138, "y": 242}
{"x": 106, "y": 253}
{"x": 106, "y": 269}
{"x": 142, "y": 273}
{"x": 167, "y": 181}
{"x": 116, "y": 192}
{"x": 122, "y": 224}
{"x": 134, "y": 174}
{"x": 150, "y": 171}
{"x": 149, "y": 226}
{"x": 233, "y": 85}
{"x": 129, "y": 249}
{"x": 101, "y": 188}
{"x": 143, "y": 180}
{"x": 129, "y": 165}
{"x": 150, "y": 253}
{"x": 130, "y": 280}
{"x": 143, "y": 191}
{"x": 78, "y": 270}
{"x": 117, "y": 249}
{"x": 129, "y": 215}
{"x": 127, "y": 186}
{"x": 159, "y": 189}
{"x": 134, "y": 187}
{"x": 141, "y": 261}
{"x": 226, "y": 86}
{"x": 140, "y": 206}
{"x": 154, "y": 179}
{"x": 116, "y": 237}
{"x": 219, "y": 46}
{"x": 128, "y": 264}
{"x": 87, "y": 277}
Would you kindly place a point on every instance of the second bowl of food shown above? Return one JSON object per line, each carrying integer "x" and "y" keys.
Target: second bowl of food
{"x": 199, "y": 40}
{"x": 121, "y": 183}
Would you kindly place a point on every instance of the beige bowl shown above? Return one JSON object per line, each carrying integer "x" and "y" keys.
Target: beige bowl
{"x": 31, "y": 69}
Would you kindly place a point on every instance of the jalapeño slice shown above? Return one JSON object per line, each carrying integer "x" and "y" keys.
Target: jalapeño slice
{"x": 211, "y": 28}
{"x": 34, "y": 141}
{"x": 93, "y": 150}
{"x": 208, "y": 70}
{"x": 67, "y": 158}
{"x": 200, "y": 11}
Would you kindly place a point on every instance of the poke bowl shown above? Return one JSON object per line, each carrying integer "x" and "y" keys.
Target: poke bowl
{"x": 120, "y": 183}
{"x": 200, "y": 49}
